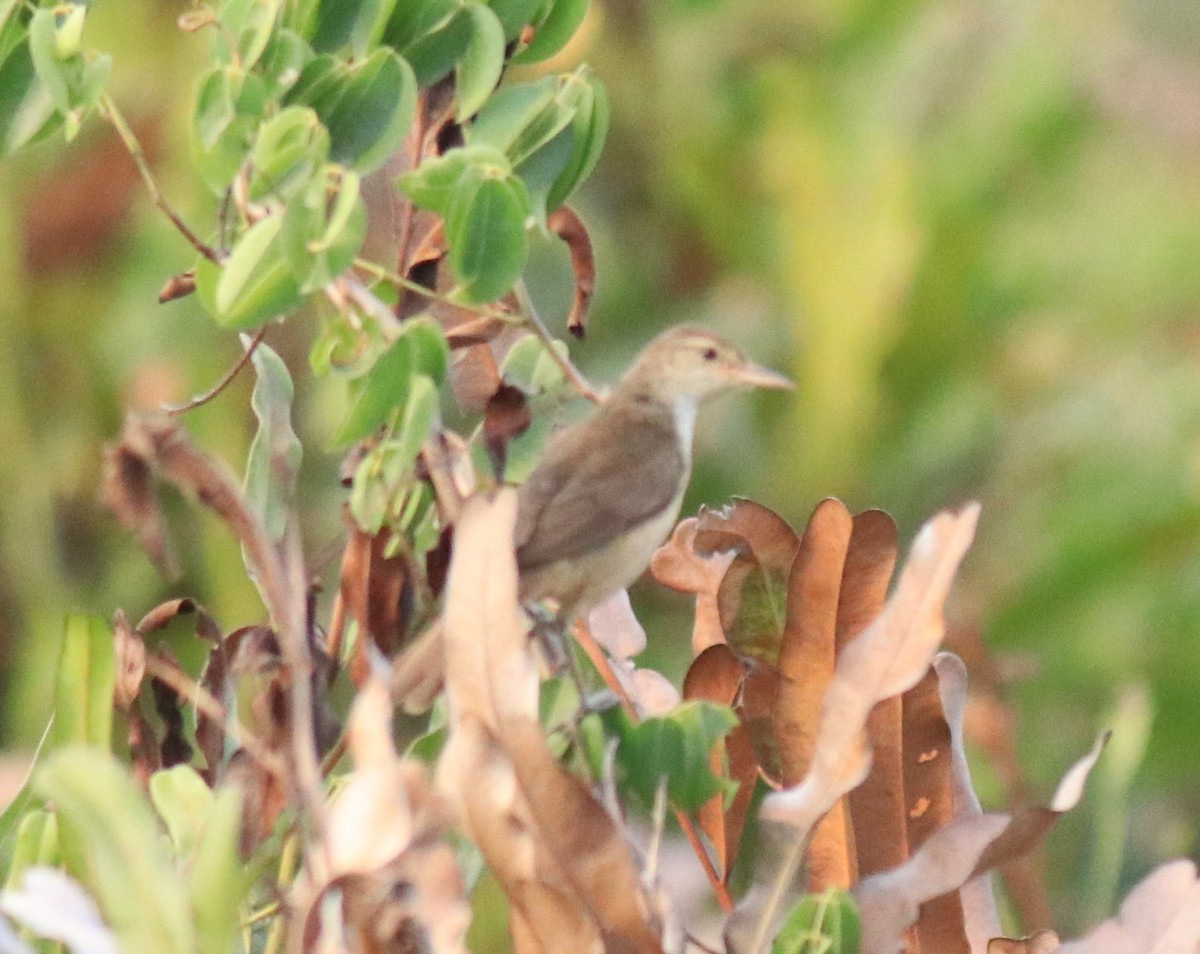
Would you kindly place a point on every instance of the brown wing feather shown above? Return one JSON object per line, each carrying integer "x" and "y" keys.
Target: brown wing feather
{"x": 586, "y": 491}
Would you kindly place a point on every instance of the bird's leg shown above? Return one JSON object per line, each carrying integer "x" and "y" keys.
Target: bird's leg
{"x": 549, "y": 630}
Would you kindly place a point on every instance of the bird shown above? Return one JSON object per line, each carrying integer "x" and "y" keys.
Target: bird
{"x": 607, "y": 491}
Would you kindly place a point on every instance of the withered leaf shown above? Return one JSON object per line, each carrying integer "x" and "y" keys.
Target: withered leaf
{"x": 562, "y": 861}
{"x": 377, "y": 591}
{"x": 127, "y": 489}
{"x": 1161, "y": 915}
{"x": 568, "y": 226}
{"x": 753, "y": 594}
{"x": 965, "y": 848}
{"x": 717, "y": 674}
{"x": 505, "y": 418}
{"x": 677, "y": 564}
{"x": 1041, "y": 942}
{"x": 130, "y": 654}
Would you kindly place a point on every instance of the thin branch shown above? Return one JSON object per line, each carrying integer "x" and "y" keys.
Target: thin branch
{"x": 202, "y": 399}
{"x": 572, "y": 374}
{"x": 186, "y": 687}
{"x": 109, "y": 110}
{"x": 387, "y": 275}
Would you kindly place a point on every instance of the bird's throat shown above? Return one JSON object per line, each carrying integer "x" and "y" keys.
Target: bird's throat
{"x": 684, "y": 410}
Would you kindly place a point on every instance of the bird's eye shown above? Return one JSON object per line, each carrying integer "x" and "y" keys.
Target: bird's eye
{"x": 710, "y": 354}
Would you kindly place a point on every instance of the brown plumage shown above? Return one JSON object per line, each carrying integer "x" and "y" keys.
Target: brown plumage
{"x": 607, "y": 490}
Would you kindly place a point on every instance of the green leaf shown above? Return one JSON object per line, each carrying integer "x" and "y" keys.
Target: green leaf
{"x": 282, "y": 61}
{"x": 273, "y": 465}
{"x": 228, "y": 108}
{"x": 825, "y": 923}
{"x": 478, "y": 72}
{"x": 485, "y": 229}
{"x": 183, "y": 800}
{"x": 218, "y": 882}
{"x": 674, "y": 748}
{"x": 529, "y": 367}
{"x": 292, "y": 145}
{"x": 84, "y": 682}
{"x": 434, "y": 55}
{"x": 543, "y": 169}
{"x": 324, "y": 229}
{"x": 367, "y": 107}
{"x": 555, "y": 32}
{"x": 410, "y": 21}
{"x": 515, "y": 15}
{"x": 252, "y": 23}
{"x": 256, "y": 284}
{"x": 73, "y": 78}
{"x": 589, "y": 129}
{"x": 420, "y": 349}
{"x": 510, "y": 111}
{"x": 127, "y": 868}
{"x": 433, "y": 183}
{"x": 358, "y": 23}
{"x": 36, "y": 843}
{"x": 27, "y": 111}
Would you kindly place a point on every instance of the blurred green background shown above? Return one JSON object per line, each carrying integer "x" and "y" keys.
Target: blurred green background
{"x": 969, "y": 229}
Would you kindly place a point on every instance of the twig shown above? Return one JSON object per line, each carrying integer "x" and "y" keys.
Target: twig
{"x": 572, "y": 374}
{"x": 387, "y": 275}
{"x": 600, "y": 661}
{"x": 109, "y": 110}
{"x": 202, "y": 399}
{"x": 186, "y": 687}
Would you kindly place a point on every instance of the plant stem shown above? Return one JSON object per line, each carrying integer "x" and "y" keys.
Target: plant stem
{"x": 572, "y": 374}
{"x": 110, "y": 112}
{"x": 202, "y": 399}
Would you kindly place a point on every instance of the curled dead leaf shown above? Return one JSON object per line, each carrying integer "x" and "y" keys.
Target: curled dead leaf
{"x": 677, "y": 564}
{"x": 568, "y": 226}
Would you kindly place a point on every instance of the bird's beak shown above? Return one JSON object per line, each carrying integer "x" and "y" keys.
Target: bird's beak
{"x": 756, "y": 376}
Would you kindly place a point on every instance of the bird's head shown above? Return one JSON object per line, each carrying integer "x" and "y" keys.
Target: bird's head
{"x": 691, "y": 364}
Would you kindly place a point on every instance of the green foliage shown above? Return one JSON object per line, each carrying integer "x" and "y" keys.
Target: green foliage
{"x": 672, "y": 750}
{"x": 124, "y": 863}
{"x": 820, "y": 924}
{"x": 83, "y": 687}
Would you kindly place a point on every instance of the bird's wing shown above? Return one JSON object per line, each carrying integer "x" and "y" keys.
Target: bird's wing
{"x": 597, "y": 481}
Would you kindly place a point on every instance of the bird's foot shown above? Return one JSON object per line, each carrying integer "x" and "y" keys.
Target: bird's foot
{"x": 549, "y": 632}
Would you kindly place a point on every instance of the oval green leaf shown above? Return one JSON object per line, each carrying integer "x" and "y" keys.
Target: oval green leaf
{"x": 555, "y": 31}
{"x": 486, "y": 233}
{"x": 478, "y": 72}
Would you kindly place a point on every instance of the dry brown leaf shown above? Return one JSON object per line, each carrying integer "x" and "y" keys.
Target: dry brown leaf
{"x": 981, "y": 918}
{"x": 376, "y": 591}
{"x": 568, "y": 226}
{"x": 806, "y": 654}
{"x": 126, "y": 488}
{"x": 129, "y": 652}
{"x": 717, "y": 674}
{"x": 752, "y": 597}
{"x": 889, "y": 658}
{"x": 928, "y": 796}
{"x": 806, "y": 663}
{"x": 1161, "y": 915}
{"x": 562, "y": 861}
{"x": 505, "y": 418}
{"x": 1041, "y": 942}
{"x": 970, "y": 845}
{"x": 889, "y": 902}
{"x": 677, "y": 564}
{"x": 398, "y": 884}
{"x": 877, "y": 805}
